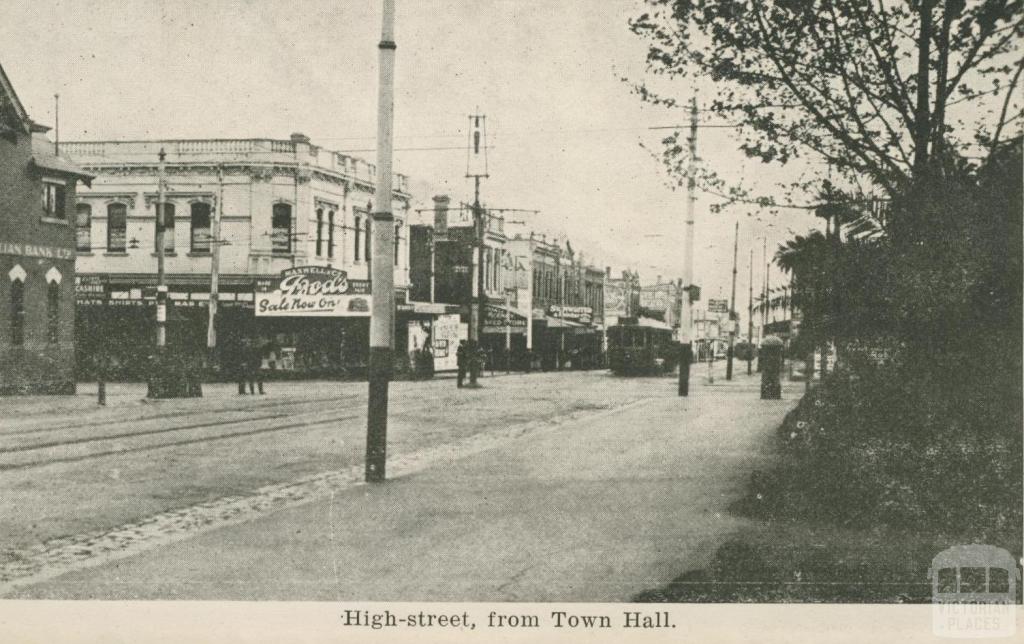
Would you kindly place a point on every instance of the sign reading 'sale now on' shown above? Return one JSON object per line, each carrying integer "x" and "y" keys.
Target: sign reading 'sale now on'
{"x": 312, "y": 291}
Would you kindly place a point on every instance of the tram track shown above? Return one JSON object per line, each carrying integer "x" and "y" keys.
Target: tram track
{"x": 143, "y": 448}
{"x": 176, "y": 414}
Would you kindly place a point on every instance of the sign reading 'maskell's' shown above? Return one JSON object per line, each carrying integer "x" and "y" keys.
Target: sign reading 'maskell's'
{"x": 312, "y": 291}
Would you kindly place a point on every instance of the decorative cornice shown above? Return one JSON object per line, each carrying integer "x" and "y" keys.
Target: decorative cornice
{"x": 324, "y": 203}
{"x": 127, "y": 198}
{"x": 191, "y": 197}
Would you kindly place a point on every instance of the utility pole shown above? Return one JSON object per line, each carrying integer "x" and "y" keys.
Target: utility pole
{"x": 211, "y": 327}
{"x": 56, "y": 124}
{"x": 383, "y": 275}
{"x": 732, "y": 303}
{"x": 161, "y": 286}
{"x": 750, "y": 314}
{"x": 478, "y": 144}
{"x": 686, "y": 312}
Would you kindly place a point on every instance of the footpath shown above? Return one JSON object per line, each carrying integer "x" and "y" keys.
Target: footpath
{"x": 596, "y": 509}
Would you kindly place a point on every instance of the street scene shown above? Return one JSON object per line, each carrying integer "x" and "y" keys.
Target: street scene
{"x": 637, "y": 302}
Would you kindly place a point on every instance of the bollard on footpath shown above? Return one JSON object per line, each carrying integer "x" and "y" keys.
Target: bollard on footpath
{"x": 770, "y": 360}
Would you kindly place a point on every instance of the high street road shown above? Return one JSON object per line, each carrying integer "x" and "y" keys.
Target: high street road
{"x": 522, "y": 490}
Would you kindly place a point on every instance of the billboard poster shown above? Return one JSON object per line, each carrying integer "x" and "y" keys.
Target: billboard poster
{"x": 614, "y": 299}
{"x": 446, "y": 332}
{"x": 654, "y": 298}
{"x": 312, "y": 291}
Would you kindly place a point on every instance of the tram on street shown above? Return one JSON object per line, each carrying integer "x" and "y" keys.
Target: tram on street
{"x": 641, "y": 347}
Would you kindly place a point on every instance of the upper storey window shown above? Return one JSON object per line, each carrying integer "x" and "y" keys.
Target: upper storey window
{"x": 53, "y": 199}
{"x": 281, "y": 229}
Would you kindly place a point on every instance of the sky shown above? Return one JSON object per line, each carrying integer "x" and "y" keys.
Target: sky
{"x": 564, "y": 131}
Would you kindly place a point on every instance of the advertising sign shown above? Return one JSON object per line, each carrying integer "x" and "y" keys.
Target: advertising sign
{"x": 718, "y": 306}
{"x": 655, "y": 299}
{"x": 582, "y": 314}
{"x": 445, "y": 335}
{"x": 90, "y": 289}
{"x": 312, "y": 291}
{"x": 497, "y": 320}
{"x": 614, "y": 299}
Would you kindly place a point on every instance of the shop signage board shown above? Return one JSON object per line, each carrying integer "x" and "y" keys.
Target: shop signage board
{"x": 718, "y": 306}
{"x": 90, "y": 289}
{"x": 581, "y": 314}
{"x": 497, "y": 320}
{"x": 312, "y": 291}
{"x": 34, "y": 250}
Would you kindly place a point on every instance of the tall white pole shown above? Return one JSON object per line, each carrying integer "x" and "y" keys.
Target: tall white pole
{"x": 211, "y": 327}
{"x": 383, "y": 276}
{"x": 161, "y": 286}
{"x": 686, "y": 312}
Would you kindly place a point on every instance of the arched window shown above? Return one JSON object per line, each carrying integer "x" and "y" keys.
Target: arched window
{"x": 281, "y": 229}
{"x": 17, "y": 312}
{"x": 202, "y": 240}
{"x": 117, "y": 222}
{"x": 359, "y": 231}
{"x": 319, "y": 232}
{"x": 53, "y": 312}
{"x": 330, "y": 234}
{"x": 83, "y": 227}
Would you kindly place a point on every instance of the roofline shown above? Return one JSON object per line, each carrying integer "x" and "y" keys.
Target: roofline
{"x": 19, "y": 108}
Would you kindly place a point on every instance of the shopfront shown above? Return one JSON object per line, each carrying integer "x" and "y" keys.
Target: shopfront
{"x": 504, "y": 338}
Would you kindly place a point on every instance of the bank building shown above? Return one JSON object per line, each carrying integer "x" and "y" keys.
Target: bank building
{"x": 37, "y": 255}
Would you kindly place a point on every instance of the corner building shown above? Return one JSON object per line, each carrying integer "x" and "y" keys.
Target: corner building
{"x": 279, "y": 204}
{"x": 37, "y": 255}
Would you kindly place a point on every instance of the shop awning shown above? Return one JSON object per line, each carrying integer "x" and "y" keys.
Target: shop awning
{"x": 428, "y": 308}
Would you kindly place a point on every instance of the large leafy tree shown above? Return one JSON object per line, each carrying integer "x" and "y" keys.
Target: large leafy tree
{"x": 889, "y": 90}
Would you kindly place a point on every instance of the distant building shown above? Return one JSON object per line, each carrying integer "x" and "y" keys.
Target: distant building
{"x": 280, "y": 205}
{"x": 37, "y": 255}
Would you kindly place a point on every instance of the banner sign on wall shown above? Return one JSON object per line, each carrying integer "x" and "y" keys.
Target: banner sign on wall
{"x": 582, "y": 314}
{"x": 498, "y": 319}
{"x": 312, "y": 291}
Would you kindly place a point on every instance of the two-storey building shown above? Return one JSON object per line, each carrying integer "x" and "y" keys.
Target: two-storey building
{"x": 37, "y": 255}
{"x": 261, "y": 207}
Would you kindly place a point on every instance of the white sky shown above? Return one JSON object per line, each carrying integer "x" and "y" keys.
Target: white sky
{"x": 564, "y": 131}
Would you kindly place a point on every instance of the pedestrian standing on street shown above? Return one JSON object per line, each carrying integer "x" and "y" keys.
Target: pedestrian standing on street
{"x": 254, "y": 371}
{"x": 239, "y": 356}
{"x": 460, "y": 361}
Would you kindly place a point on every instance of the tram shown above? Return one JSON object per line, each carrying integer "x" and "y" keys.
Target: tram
{"x": 641, "y": 347}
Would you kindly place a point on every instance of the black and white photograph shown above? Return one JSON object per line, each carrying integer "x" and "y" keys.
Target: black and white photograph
{"x": 452, "y": 320}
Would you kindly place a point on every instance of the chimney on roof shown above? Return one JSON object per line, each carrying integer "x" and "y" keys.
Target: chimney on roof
{"x": 441, "y": 214}
{"x": 607, "y": 271}
{"x": 658, "y": 280}
{"x": 299, "y": 137}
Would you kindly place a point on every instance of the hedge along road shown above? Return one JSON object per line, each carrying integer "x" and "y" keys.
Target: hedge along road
{"x": 76, "y": 472}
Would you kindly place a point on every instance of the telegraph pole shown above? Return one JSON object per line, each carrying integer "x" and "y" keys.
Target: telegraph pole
{"x": 383, "y": 276}
{"x": 686, "y": 312}
{"x": 161, "y": 286}
{"x": 211, "y": 327}
{"x": 750, "y": 314}
{"x": 478, "y": 144}
{"x": 732, "y": 302}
